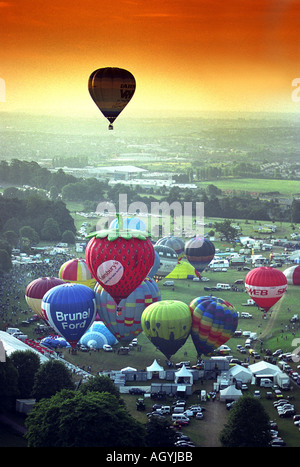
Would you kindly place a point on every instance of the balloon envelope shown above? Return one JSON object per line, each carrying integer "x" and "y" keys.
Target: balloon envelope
{"x": 265, "y": 286}
{"x": 76, "y": 271}
{"x": 155, "y": 266}
{"x": 129, "y": 223}
{"x": 111, "y": 89}
{"x": 168, "y": 259}
{"x": 167, "y": 324}
{"x": 119, "y": 261}
{"x": 292, "y": 275}
{"x": 199, "y": 251}
{"x": 36, "y": 290}
{"x": 176, "y": 243}
{"x": 70, "y": 309}
{"x": 214, "y": 322}
{"x": 124, "y": 320}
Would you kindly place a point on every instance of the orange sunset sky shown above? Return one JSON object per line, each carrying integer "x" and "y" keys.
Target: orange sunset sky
{"x": 186, "y": 55}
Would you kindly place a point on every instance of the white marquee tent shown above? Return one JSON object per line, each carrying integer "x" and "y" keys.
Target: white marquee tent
{"x": 184, "y": 376}
{"x": 241, "y": 373}
{"x": 264, "y": 368}
{"x": 230, "y": 393}
{"x": 155, "y": 368}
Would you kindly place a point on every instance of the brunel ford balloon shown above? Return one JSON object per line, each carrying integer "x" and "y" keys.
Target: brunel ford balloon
{"x": 70, "y": 309}
{"x": 111, "y": 89}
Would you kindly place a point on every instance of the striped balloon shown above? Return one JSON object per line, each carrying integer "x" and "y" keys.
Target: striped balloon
{"x": 292, "y": 275}
{"x": 124, "y": 320}
{"x": 199, "y": 251}
{"x": 214, "y": 322}
{"x": 76, "y": 271}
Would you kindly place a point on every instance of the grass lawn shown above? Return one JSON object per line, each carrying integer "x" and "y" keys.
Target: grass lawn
{"x": 284, "y": 187}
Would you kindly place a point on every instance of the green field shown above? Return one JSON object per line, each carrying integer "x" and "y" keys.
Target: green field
{"x": 258, "y": 185}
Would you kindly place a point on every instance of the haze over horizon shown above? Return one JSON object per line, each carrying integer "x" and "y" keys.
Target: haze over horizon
{"x": 186, "y": 57}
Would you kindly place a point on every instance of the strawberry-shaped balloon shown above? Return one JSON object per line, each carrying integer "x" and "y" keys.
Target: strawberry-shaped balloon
{"x": 119, "y": 260}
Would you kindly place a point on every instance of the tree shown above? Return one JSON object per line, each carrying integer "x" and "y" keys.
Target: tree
{"x": 50, "y": 230}
{"x": 100, "y": 384}
{"x": 5, "y": 261}
{"x": 8, "y": 385}
{"x": 27, "y": 232}
{"x": 247, "y": 425}
{"x": 51, "y": 377}
{"x": 68, "y": 237}
{"x": 27, "y": 363}
{"x": 72, "y": 419}
{"x": 225, "y": 228}
{"x": 159, "y": 433}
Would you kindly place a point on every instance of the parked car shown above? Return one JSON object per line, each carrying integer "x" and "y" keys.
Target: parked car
{"x": 277, "y": 442}
{"x": 136, "y": 391}
{"x": 181, "y": 436}
{"x": 107, "y": 348}
{"x": 257, "y": 394}
{"x": 229, "y": 405}
{"x": 199, "y": 416}
{"x": 189, "y": 413}
{"x": 184, "y": 444}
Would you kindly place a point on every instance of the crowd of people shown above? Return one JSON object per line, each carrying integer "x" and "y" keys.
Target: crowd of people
{"x": 13, "y": 306}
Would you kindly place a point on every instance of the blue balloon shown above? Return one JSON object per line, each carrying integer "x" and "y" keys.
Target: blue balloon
{"x": 100, "y": 334}
{"x": 70, "y": 310}
{"x": 155, "y": 266}
{"x": 129, "y": 223}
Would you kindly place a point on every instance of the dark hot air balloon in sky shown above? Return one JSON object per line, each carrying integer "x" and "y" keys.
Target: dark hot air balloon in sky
{"x": 111, "y": 89}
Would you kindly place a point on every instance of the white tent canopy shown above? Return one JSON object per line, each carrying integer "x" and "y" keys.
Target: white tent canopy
{"x": 12, "y": 344}
{"x": 128, "y": 368}
{"x": 230, "y": 393}
{"x": 155, "y": 368}
{"x": 241, "y": 373}
{"x": 184, "y": 375}
{"x": 263, "y": 368}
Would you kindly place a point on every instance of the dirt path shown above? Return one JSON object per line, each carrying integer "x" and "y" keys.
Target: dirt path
{"x": 215, "y": 418}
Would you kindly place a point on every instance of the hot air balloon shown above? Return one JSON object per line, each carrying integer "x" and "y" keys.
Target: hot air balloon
{"x": 124, "y": 320}
{"x": 76, "y": 271}
{"x": 292, "y": 275}
{"x": 111, "y": 89}
{"x": 266, "y": 286}
{"x": 155, "y": 266}
{"x": 129, "y": 223}
{"x": 199, "y": 251}
{"x": 119, "y": 260}
{"x": 70, "y": 310}
{"x": 167, "y": 324}
{"x": 214, "y": 322}
{"x": 176, "y": 243}
{"x": 168, "y": 260}
{"x": 97, "y": 336}
{"x": 36, "y": 290}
